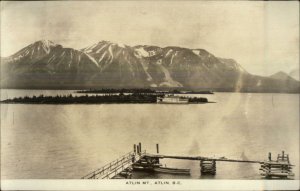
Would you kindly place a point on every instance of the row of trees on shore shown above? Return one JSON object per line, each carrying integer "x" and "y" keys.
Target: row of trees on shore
{"x": 69, "y": 99}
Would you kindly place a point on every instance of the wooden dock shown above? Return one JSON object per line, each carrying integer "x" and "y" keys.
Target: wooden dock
{"x": 140, "y": 160}
{"x": 200, "y": 158}
{"x": 280, "y": 168}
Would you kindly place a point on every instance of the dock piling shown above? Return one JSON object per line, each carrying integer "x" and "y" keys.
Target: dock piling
{"x": 208, "y": 167}
{"x": 157, "y": 148}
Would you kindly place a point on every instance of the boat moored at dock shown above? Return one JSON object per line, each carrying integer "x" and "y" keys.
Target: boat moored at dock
{"x": 172, "y": 170}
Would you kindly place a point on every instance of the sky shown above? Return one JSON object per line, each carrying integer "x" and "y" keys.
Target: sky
{"x": 262, "y": 36}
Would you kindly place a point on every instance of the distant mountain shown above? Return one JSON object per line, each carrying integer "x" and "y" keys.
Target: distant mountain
{"x": 282, "y": 76}
{"x": 295, "y": 74}
{"x": 45, "y": 64}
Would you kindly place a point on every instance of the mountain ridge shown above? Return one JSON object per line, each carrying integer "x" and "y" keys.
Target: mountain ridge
{"x": 107, "y": 64}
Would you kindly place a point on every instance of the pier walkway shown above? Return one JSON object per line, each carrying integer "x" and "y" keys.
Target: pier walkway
{"x": 201, "y": 158}
{"x": 115, "y": 167}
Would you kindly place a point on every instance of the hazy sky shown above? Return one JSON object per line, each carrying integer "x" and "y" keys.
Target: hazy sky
{"x": 262, "y": 36}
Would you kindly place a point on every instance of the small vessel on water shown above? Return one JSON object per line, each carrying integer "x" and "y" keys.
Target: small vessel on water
{"x": 172, "y": 99}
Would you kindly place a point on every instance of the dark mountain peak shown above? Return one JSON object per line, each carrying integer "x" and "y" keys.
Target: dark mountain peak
{"x": 281, "y": 73}
{"x": 102, "y": 42}
{"x": 176, "y": 48}
{"x": 102, "y": 46}
{"x": 147, "y": 46}
{"x": 281, "y": 76}
{"x": 45, "y": 43}
{"x": 202, "y": 52}
{"x": 35, "y": 50}
{"x": 106, "y": 42}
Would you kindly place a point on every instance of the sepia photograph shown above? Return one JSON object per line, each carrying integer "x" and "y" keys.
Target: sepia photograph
{"x": 157, "y": 94}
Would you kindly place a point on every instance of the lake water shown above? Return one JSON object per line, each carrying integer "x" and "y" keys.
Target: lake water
{"x": 69, "y": 141}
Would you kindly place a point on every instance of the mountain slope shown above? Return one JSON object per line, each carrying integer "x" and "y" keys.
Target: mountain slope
{"x": 282, "y": 76}
{"x": 295, "y": 73}
{"x": 118, "y": 65}
{"x": 45, "y": 63}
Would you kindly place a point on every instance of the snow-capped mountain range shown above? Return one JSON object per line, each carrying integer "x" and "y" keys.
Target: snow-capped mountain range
{"x": 45, "y": 64}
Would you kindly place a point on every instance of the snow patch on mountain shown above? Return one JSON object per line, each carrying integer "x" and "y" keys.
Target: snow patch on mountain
{"x": 168, "y": 79}
{"x": 153, "y": 85}
{"x": 141, "y": 52}
{"x": 111, "y": 53}
{"x": 90, "y": 48}
{"x": 47, "y": 45}
{"x": 93, "y": 59}
{"x": 121, "y": 45}
{"x": 171, "y": 62}
{"x": 169, "y": 51}
{"x": 101, "y": 58}
{"x": 197, "y": 52}
{"x": 101, "y": 48}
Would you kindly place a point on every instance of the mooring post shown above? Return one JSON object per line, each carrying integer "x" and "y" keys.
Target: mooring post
{"x": 140, "y": 146}
{"x": 138, "y": 149}
{"x": 157, "y": 148}
{"x": 134, "y": 148}
{"x": 270, "y": 156}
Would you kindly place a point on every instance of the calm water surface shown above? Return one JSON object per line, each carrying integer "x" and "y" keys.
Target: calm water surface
{"x": 69, "y": 141}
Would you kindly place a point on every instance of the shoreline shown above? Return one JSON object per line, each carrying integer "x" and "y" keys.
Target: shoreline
{"x": 96, "y": 99}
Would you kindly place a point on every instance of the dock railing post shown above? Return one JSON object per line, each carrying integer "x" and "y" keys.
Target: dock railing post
{"x": 157, "y": 148}
{"x": 134, "y": 148}
{"x": 138, "y": 149}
